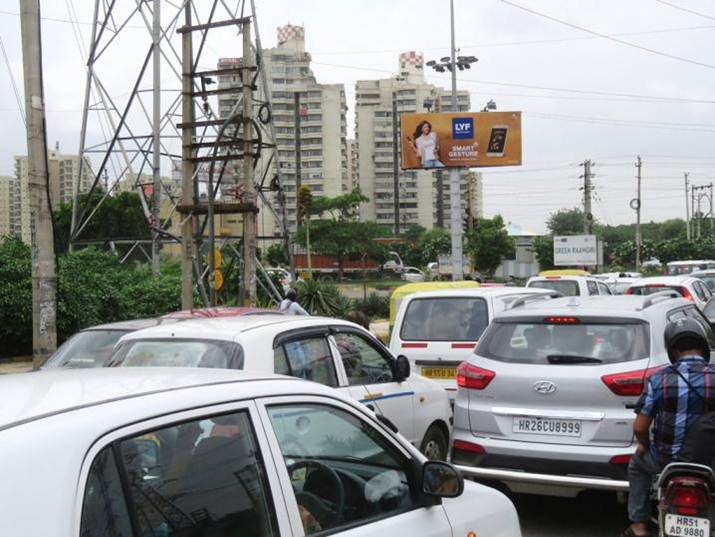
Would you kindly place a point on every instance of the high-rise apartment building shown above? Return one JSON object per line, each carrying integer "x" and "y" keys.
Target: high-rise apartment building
{"x": 321, "y": 113}
{"x": 62, "y": 170}
{"x": 352, "y": 164}
{"x": 408, "y": 92}
{"x": 7, "y": 189}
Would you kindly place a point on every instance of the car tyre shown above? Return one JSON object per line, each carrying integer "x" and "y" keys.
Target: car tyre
{"x": 435, "y": 444}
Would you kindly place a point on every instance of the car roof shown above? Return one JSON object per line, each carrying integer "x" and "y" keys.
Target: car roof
{"x": 708, "y": 272}
{"x": 131, "y": 325}
{"x": 664, "y": 280}
{"x": 220, "y": 311}
{"x": 563, "y": 277}
{"x": 478, "y": 292}
{"x": 31, "y": 396}
{"x": 597, "y": 306}
{"x": 227, "y": 328}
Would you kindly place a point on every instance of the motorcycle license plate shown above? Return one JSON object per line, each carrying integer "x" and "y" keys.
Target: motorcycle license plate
{"x": 546, "y": 426}
{"x": 686, "y": 526}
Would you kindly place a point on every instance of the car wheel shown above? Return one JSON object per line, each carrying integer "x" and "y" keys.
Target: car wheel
{"x": 434, "y": 445}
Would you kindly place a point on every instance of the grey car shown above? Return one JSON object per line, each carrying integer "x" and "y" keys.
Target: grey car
{"x": 545, "y": 402}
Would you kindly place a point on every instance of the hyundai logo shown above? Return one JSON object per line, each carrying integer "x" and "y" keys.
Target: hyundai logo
{"x": 544, "y": 387}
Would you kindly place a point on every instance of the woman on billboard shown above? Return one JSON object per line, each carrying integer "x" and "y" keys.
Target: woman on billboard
{"x": 425, "y": 144}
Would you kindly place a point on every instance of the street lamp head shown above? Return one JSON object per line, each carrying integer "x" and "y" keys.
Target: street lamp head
{"x": 491, "y": 105}
{"x": 431, "y": 63}
{"x": 445, "y": 59}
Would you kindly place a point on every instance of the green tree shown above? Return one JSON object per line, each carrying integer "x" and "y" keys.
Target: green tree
{"x": 566, "y": 222}
{"x": 489, "y": 243}
{"x": 433, "y": 243}
{"x": 340, "y": 208}
{"x": 15, "y": 297}
{"x": 544, "y": 250}
{"x": 276, "y": 255}
{"x": 345, "y": 240}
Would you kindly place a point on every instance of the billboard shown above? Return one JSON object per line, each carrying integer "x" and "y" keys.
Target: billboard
{"x": 575, "y": 250}
{"x": 460, "y": 140}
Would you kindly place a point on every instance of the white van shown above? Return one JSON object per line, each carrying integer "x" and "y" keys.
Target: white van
{"x": 436, "y": 330}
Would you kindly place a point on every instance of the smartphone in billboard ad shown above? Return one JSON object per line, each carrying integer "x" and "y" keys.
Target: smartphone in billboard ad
{"x": 460, "y": 140}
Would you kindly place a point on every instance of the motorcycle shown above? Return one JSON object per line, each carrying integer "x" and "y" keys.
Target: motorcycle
{"x": 685, "y": 494}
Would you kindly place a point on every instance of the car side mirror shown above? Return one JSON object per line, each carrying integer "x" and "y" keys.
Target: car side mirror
{"x": 402, "y": 368}
{"x": 441, "y": 480}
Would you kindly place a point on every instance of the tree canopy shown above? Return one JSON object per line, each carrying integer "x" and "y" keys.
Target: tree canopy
{"x": 489, "y": 243}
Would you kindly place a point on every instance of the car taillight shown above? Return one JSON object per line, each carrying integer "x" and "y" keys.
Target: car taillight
{"x": 620, "y": 459}
{"x": 629, "y": 291}
{"x": 688, "y": 495}
{"x": 461, "y": 445}
{"x": 685, "y": 293}
{"x": 472, "y": 377}
{"x": 628, "y": 383}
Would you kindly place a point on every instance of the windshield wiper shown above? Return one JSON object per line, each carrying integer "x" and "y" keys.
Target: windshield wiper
{"x": 570, "y": 359}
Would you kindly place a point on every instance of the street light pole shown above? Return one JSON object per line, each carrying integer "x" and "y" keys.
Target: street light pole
{"x": 455, "y": 202}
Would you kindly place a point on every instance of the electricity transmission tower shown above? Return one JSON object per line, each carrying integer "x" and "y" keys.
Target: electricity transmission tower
{"x": 151, "y": 105}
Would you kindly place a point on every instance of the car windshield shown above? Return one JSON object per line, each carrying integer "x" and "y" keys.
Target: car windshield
{"x": 445, "y": 319}
{"x": 89, "y": 348}
{"x": 582, "y": 343}
{"x": 178, "y": 353}
{"x": 565, "y": 287}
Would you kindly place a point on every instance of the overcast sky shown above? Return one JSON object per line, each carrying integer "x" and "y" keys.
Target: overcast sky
{"x": 583, "y": 96}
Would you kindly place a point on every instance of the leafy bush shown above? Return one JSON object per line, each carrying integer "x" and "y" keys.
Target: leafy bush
{"x": 374, "y": 306}
{"x": 322, "y": 298}
{"x": 15, "y": 298}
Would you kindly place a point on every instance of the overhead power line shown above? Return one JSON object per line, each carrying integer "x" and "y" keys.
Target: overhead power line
{"x": 609, "y": 37}
{"x": 681, "y": 8}
{"x": 18, "y": 98}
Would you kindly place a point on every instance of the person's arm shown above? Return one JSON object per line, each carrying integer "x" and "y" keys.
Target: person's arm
{"x": 641, "y": 429}
{"x": 297, "y": 309}
{"x": 413, "y": 144}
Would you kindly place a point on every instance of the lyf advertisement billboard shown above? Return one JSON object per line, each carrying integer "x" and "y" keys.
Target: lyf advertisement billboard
{"x": 460, "y": 140}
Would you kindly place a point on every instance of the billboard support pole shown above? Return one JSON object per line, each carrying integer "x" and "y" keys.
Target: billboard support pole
{"x": 455, "y": 202}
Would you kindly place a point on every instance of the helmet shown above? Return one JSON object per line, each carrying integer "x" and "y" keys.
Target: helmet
{"x": 292, "y": 295}
{"x": 686, "y": 334}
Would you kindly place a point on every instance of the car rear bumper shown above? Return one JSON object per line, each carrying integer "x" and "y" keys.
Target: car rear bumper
{"x": 577, "y": 482}
{"x": 576, "y": 467}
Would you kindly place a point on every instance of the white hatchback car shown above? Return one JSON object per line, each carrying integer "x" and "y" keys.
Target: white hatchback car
{"x": 688, "y": 287}
{"x": 437, "y": 330}
{"x": 570, "y": 285}
{"x": 189, "y": 452}
{"x": 333, "y": 352}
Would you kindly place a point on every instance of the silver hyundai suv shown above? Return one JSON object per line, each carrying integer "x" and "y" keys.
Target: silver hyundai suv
{"x": 545, "y": 402}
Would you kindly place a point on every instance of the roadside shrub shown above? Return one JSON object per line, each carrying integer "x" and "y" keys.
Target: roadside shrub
{"x": 15, "y": 298}
{"x": 322, "y": 298}
{"x": 374, "y": 306}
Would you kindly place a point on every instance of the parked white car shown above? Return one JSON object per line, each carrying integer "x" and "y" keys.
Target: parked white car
{"x": 688, "y": 287}
{"x": 215, "y": 452}
{"x": 333, "y": 352}
{"x": 412, "y": 275}
{"x": 570, "y": 285}
{"x": 436, "y": 330}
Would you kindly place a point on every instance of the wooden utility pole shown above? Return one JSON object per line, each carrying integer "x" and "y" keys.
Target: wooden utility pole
{"x": 639, "y": 238}
{"x": 187, "y": 165}
{"x": 250, "y": 219}
{"x": 44, "y": 279}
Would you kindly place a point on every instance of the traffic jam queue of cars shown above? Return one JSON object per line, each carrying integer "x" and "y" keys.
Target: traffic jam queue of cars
{"x": 210, "y": 420}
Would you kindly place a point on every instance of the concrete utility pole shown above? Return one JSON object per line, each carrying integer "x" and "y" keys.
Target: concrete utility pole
{"x": 687, "y": 208}
{"x": 455, "y": 202}
{"x": 187, "y": 165}
{"x": 395, "y": 165}
{"x": 587, "y": 188}
{"x": 250, "y": 219}
{"x": 156, "y": 138}
{"x": 639, "y": 238}
{"x": 44, "y": 279}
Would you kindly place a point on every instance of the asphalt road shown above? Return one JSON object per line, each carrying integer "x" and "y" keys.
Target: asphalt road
{"x": 591, "y": 514}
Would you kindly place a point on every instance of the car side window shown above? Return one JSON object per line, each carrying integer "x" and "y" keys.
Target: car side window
{"x": 342, "y": 470}
{"x": 310, "y": 359}
{"x": 702, "y": 290}
{"x": 203, "y": 477}
{"x": 592, "y": 288}
{"x": 104, "y": 509}
{"x": 605, "y": 290}
{"x": 363, "y": 363}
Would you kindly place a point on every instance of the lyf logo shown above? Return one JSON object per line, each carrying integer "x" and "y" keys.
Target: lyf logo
{"x": 544, "y": 387}
{"x": 462, "y": 128}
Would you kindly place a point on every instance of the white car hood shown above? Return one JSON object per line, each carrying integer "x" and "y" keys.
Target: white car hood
{"x": 482, "y": 510}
